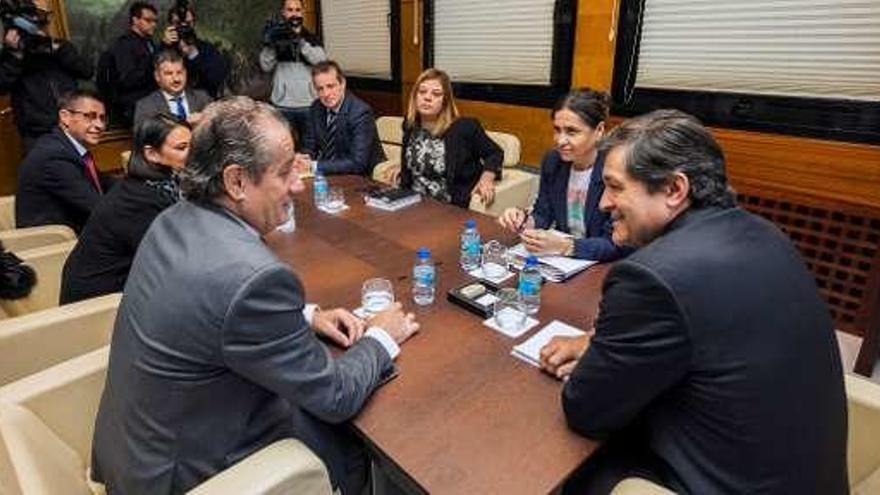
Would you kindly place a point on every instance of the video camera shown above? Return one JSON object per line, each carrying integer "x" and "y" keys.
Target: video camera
{"x": 29, "y": 21}
{"x": 185, "y": 30}
{"x": 282, "y": 34}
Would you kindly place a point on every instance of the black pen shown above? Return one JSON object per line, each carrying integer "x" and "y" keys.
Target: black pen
{"x": 526, "y": 213}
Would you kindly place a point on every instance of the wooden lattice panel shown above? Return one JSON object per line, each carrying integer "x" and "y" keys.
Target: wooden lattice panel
{"x": 840, "y": 248}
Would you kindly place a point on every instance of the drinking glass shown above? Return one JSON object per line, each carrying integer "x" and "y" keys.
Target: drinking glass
{"x": 495, "y": 260}
{"x": 377, "y": 294}
{"x": 509, "y": 312}
{"x": 335, "y": 199}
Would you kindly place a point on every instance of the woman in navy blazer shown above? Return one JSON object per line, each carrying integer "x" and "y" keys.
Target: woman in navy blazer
{"x": 571, "y": 186}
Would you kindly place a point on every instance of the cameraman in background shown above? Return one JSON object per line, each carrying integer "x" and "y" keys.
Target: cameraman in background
{"x": 290, "y": 50}
{"x": 35, "y": 68}
{"x": 206, "y": 66}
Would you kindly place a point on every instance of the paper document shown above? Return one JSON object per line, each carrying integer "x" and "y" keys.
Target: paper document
{"x": 553, "y": 268}
{"x": 530, "y": 350}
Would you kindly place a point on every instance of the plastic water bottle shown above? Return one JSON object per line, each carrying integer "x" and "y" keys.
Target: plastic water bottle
{"x": 424, "y": 279}
{"x": 320, "y": 189}
{"x": 470, "y": 246}
{"x": 530, "y": 286}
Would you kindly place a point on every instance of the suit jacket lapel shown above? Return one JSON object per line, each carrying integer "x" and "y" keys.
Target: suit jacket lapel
{"x": 594, "y": 194}
{"x": 562, "y": 197}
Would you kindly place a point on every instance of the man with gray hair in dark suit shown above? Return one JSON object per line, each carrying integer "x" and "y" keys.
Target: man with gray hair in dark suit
{"x": 215, "y": 353}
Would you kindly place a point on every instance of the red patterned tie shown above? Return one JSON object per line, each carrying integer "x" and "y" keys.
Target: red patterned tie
{"x": 92, "y": 171}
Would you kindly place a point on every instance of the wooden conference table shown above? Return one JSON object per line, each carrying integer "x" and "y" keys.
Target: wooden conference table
{"x": 464, "y": 416}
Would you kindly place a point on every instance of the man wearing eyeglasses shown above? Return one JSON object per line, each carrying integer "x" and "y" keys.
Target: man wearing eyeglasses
{"x": 35, "y": 69}
{"x": 125, "y": 70}
{"x": 58, "y": 182}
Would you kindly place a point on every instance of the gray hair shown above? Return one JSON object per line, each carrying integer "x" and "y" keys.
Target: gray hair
{"x": 231, "y": 132}
{"x": 661, "y": 143}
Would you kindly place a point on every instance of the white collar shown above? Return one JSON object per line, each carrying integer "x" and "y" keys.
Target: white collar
{"x": 76, "y": 144}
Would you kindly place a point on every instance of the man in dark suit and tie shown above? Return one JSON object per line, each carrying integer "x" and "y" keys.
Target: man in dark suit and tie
{"x": 341, "y": 136}
{"x": 58, "y": 182}
{"x": 714, "y": 366}
{"x": 172, "y": 97}
{"x": 215, "y": 352}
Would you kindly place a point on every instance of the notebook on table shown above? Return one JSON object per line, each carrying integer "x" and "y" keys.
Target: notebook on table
{"x": 553, "y": 268}
{"x": 392, "y": 199}
{"x": 530, "y": 350}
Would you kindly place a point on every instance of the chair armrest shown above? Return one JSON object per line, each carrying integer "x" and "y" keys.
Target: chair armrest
{"x": 33, "y": 237}
{"x": 516, "y": 189}
{"x": 383, "y": 172}
{"x": 863, "y": 405}
{"x": 639, "y": 486}
{"x": 286, "y": 466}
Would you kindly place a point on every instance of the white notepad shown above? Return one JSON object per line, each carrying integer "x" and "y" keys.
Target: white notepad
{"x": 530, "y": 350}
{"x": 553, "y": 268}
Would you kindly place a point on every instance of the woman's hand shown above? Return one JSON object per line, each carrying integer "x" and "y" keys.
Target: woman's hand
{"x": 539, "y": 241}
{"x": 512, "y": 218}
{"x": 485, "y": 188}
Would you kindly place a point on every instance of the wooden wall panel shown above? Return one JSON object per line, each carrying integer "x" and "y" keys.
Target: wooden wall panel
{"x": 594, "y": 46}
{"x": 10, "y": 148}
{"x": 844, "y": 172}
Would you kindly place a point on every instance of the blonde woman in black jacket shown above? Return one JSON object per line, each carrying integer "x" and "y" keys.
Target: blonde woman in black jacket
{"x": 446, "y": 156}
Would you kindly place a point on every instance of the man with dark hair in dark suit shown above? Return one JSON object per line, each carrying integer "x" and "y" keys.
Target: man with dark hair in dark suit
{"x": 714, "y": 366}
{"x": 125, "y": 70}
{"x": 58, "y": 182}
{"x": 341, "y": 136}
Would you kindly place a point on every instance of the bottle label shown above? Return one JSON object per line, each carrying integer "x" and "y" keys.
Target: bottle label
{"x": 528, "y": 287}
{"x": 424, "y": 276}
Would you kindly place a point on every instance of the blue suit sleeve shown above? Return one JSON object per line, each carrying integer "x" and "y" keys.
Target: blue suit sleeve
{"x": 355, "y": 160}
{"x": 542, "y": 210}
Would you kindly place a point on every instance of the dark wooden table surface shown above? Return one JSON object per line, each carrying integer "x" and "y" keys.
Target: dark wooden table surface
{"x": 464, "y": 416}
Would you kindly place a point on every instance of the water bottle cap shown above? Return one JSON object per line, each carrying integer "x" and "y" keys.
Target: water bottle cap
{"x": 531, "y": 260}
{"x": 470, "y": 223}
{"x": 423, "y": 253}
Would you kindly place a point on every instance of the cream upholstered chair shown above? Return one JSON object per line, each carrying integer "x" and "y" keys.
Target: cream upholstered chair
{"x": 516, "y": 187}
{"x": 7, "y": 212}
{"x": 47, "y": 261}
{"x": 41, "y": 339}
{"x": 46, "y": 425}
{"x": 863, "y": 447}
{"x": 16, "y": 240}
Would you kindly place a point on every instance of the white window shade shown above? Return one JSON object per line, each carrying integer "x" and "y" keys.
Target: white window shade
{"x": 357, "y": 36}
{"x": 803, "y": 48}
{"x": 508, "y": 42}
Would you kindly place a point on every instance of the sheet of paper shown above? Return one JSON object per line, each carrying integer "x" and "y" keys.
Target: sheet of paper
{"x": 478, "y": 273}
{"x": 513, "y": 333}
{"x": 530, "y": 350}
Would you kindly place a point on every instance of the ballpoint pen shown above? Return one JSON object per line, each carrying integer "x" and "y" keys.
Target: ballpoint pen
{"x": 526, "y": 213}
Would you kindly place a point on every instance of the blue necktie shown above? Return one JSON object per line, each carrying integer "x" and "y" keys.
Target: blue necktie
{"x": 180, "y": 110}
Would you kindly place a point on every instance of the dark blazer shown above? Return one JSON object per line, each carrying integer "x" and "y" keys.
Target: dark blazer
{"x": 469, "y": 152}
{"x": 131, "y": 77}
{"x": 715, "y": 339}
{"x": 357, "y": 141}
{"x": 53, "y": 187}
{"x": 212, "y": 359}
{"x": 551, "y": 209}
{"x": 155, "y": 103}
{"x": 100, "y": 262}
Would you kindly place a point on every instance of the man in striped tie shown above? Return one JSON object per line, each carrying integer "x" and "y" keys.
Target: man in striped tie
{"x": 341, "y": 136}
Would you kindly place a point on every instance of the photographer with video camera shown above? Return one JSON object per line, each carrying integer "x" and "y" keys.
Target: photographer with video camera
{"x": 206, "y": 66}
{"x": 35, "y": 68}
{"x": 290, "y": 50}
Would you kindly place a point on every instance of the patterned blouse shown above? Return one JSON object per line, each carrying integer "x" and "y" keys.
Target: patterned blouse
{"x": 426, "y": 159}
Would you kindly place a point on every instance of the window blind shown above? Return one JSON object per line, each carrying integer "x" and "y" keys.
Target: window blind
{"x": 803, "y": 48}
{"x": 357, "y": 36}
{"x": 508, "y": 42}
